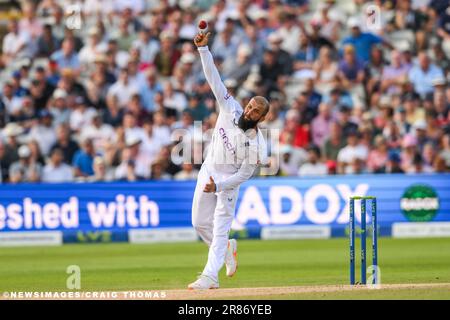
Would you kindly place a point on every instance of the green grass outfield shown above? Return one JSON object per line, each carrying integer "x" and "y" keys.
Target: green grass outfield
{"x": 125, "y": 267}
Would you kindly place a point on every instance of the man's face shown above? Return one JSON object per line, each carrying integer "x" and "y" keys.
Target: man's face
{"x": 13, "y": 27}
{"x": 356, "y": 31}
{"x": 57, "y": 158}
{"x": 312, "y": 156}
{"x": 424, "y": 61}
{"x": 62, "y": 133}
{"x": 67, "y": 47}
{"x": 253, "y": 111}
{"x": 47, "y": 121}
{"x": 88, "y": 147}
{"x": 352, "y": 140}
{"x": 344, "y": 116}
{"x": 269, "y": 58}
{"x": 409, "y": 105}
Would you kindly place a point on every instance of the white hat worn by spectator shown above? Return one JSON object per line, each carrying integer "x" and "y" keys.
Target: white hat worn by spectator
{"x": 420, "y": 125}
{"x": 187, "y": 57}
{"x": 24, "y": 151}
{"x": 439, "y": 81}
{"x": 258, "y": 14}
{"x": 385, "y": 100}
{"x": 230, "y": 83}
{"x": 353, "y": 22}
{"x": 60, "y": 94}
{"x": 12, "y": 130}
{"x": 244, "y": 50}
{"x": 274, "y": 38}
{"x": 132, "y": 140}
{"x": 93, "y": 31}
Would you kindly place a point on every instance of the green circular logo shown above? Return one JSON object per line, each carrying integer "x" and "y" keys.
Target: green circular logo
{"x": 419, "y": 203}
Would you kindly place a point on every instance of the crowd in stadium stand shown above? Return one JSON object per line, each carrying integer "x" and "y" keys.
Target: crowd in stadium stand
{"x": 110, "y": 95}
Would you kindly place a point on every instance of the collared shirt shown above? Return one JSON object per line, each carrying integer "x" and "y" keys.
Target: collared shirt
{"x": 61, "y": 173}
{"x": 423, "y": 80}
{"x": 70, "y": 62}
{"x": 233, "y": 156}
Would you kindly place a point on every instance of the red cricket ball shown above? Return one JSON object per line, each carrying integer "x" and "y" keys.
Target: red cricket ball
{"x": 202, "y": 25}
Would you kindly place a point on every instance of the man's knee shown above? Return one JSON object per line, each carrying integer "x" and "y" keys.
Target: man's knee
{"x": 199, "y": 224}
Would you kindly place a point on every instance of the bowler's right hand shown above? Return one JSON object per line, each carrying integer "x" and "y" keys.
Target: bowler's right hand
{"x": 201, "y": 39}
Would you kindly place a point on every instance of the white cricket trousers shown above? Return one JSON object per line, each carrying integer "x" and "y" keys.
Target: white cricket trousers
{"x": 212, "y": 216}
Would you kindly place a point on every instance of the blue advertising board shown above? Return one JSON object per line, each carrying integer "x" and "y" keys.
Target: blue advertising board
{"x": 110, "y": 210}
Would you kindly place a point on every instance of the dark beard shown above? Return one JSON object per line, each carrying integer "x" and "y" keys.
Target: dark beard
{"x": 246, "y": 124}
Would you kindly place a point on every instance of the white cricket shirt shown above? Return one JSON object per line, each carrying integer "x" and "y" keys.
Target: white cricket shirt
{"x": 233, "y": 155}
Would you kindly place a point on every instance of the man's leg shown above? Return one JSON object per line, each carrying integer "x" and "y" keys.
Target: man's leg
{"x": 203, "y": 207}
{"x": 223, "y": 218}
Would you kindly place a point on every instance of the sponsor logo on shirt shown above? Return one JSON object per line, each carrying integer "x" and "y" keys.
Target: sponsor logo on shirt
{"x": 226, "y": 141}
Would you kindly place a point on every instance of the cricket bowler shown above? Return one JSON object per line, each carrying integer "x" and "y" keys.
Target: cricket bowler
{"x": 237, "y": 148}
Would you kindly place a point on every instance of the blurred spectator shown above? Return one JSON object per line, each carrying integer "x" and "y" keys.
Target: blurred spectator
{"x": 29, "y": 21}
{"x": 376, "y": 161}
{"x": 395, "y": 74}
{"x": 345, "y": 122}
{"x": 47, "y": 43}
{"x": 133, "y": 166}
{"x": 196, "y": 108}
{"x": 65, "y": 143}
{"x": 148, "y": 47}
{"x": 187, "y": 173}
{"x": 350, "y": 157}
{"x": 326, "y": 71}
{"x": 41, "y": 89}
{"x": 445, "y": 152}
{"x": 56, "y": 170}
{"x": 270, "y": 70}
{"x": 320, "y": 126}
{"x": 148, "y": 90}
{"x": 123, "y": 88}
{"x": 294, "y": 133}
{"x": 423, "y": 74}
{"x": 361, "y": 41}
{"x": 334, "y": 143}
{"x": 24, "y": 170}
{"x": 67, "y": 57}
{"x": 100, "y": 133}
{"x": 94, "y": 46}
{"x": 282, "y": 57}
{"x": 240, "y": 68}
{"x": 291, "y": 159}
{"x": 158, "y": 171}
{"x": 289, "y": 31}
{"x": 43, "y": 132}
{"x": 409, "y": 151}
{"x": 374, "y": 70}
{"x": 82, "y": 115}
{"x": 6, "y": 160}
{"x": 393, "y": 163}
{"x": 58, "y": 107}
{"x": 314, "y": 166}
{"x": 101, "y": 171}
{"x": 114, "y": 114}
{"x": 174, "y": 100}
{"x": 15, "y": 44}
{"x": 351, "y": 69}
{"x": 83, "y": 159}
{"x": 167, "y": 57}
